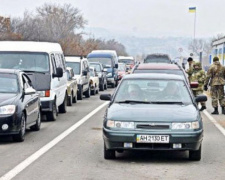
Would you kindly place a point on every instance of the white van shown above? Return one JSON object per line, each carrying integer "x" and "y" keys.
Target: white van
{"x": 44, "y": 63}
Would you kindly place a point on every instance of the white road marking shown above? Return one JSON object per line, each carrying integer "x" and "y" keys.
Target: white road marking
{"x": 16, "y": 170}
{"x": 221, "y": 129}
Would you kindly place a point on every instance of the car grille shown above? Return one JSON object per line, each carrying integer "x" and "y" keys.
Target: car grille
{"x": 152, "y": 126}
{"x": 152, "y": 146}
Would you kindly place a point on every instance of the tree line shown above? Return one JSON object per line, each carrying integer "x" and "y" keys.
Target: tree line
{"x": 63, "y": 24}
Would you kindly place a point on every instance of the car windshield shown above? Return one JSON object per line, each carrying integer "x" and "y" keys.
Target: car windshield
{"x": 92, "y": 74}
{"x": 107, "y": 62}
{"x": 122, "y": 67}
{"x": 126, "y": 61}
{"x": 25, "y": 61}
{"x": 96, "y": 66}
{"x": 75, "y": 66}
{"x": 9, "y": 83}
{"x": 153, "y": 91}
{"x": 157, "y": 60}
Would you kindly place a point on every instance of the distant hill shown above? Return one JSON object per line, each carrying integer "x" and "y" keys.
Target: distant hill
{"x": 144, "y": 45}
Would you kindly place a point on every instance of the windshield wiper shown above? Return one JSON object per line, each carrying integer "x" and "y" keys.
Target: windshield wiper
{"x": 27, "y": 71}
{"x": 167, "y": 102}
{"x": 133, "y": 101}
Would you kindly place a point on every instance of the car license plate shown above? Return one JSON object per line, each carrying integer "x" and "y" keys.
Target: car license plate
{"x": 153, "y": 139}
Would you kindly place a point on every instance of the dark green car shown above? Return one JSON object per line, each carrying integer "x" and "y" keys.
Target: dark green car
{"x": 153, "y": 112}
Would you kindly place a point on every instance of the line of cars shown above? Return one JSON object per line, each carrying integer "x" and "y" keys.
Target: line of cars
{"x": 153, "y": 108}
{"x": 36, "y": 79}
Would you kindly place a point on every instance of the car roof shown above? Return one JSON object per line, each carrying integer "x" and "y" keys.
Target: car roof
{"x": 154, "y": 76}
{"x": 100, "y": 55}
{"x": 10, "y": 71}
{"x": 126, "y": 57}
{"x": 157, "y": 66}
{"x": 29, "y": 46}
{"x": 73, "y": 58}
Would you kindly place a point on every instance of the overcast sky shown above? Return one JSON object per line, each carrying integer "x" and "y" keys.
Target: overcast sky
{"x": 139, "y": 17}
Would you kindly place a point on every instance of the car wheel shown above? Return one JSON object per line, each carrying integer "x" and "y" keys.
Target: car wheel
{"x": 37, "y": 126}
{"x": 93, "y": 92}
{"x": 105, "y": 86}
{"x": 88, "y": 93}
{"x": 116, "y": 83}
{"x": 70, "y": 101}
{"x": 62, "y": 107}
{"x": 75, "y": 99}
{"x": 80, "y": 94}
{"x": 109, "y": 154}
{"x": 102, "y": 87}
{"x": 195, "y": 155}
{"x": 113, "y": 85}
{"x": 20, "y": 137}
{"x": 52, "y": 115}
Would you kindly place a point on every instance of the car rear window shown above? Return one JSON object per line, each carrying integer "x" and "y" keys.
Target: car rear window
{"x": 172, "y": 71}
{"x": 157, "y": 59}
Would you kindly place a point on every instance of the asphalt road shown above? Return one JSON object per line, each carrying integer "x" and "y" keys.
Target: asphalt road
{"x": 80, "y": 154}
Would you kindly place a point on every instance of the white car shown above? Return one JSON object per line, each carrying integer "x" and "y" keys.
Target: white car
{"x": 94, "y": 81}
{"x": 44, "y": 63}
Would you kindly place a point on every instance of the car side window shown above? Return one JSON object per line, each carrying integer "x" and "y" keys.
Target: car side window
{"x": 83, "y": 66}
{"x": 53, "y": 63}
{"x": 26, "y": 82}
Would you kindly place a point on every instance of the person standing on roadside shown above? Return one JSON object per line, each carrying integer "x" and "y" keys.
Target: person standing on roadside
{"x": 190, "y": 70}
{"x": 198, "y": 76}
{"x": 216, "y": 80}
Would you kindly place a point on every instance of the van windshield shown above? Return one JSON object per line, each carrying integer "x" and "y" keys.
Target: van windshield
{"x": 26, "y": 61}
{"x": 107, "y": 62}
{"x": 75, "y": 66}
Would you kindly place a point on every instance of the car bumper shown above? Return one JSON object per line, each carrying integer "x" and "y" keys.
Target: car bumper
{"x": 47, "y": 105}
{"x": 12, "y": 122}
{"x": 115, "y": 140}
{"x": 110, "y": 80}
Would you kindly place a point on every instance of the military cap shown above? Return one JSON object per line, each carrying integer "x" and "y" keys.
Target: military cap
{"x": 215, "y": 59}
{"x": 190, "y": 59}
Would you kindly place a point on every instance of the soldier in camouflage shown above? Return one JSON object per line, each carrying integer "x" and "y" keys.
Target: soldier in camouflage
{"x": 190, "y": 70}
{"x": 216, "y": 79}
{"x": 198, "y": 75}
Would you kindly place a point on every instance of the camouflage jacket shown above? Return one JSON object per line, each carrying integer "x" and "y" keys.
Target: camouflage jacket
{"x": 215, "y": 75}
{"x": 190, "y": 71}
{"x": 198, "y": 76}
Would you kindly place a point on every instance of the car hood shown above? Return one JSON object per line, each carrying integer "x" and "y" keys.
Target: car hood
{"x": 152, "y": 112}
{"x": 40, "y": 82}
{"x": 7, "y": 98}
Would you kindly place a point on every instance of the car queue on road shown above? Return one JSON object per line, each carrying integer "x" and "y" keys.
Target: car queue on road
{"x": 47, "y": 82}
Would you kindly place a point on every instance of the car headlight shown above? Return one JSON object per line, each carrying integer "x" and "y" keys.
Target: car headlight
{"x": 109, "y": 75}
{"x": 186, "y": 125}
{"x": 7, "y": 110}
{"x": 120, "y": 124}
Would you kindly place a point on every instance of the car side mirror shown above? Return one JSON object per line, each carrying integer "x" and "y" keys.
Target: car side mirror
{"x": 59, "y": 72}
{"x": 201, "y": 98}
{"x": 116, "y": 66}
{"x": 29, "y": 91}
{"x": 194, "y": 84}
{"x": 85, "y": 72}
{"x": 105, "y": 97}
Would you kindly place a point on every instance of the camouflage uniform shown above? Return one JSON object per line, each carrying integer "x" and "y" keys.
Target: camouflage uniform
{"x": 190, "y": 71}
{"x": 216, "y": 79}
{"x": 198, "y": 75}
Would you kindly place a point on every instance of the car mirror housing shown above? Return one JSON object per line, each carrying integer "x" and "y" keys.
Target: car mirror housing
{"x": 29, "y": 91}
{"x": 201, "y": 98}
{"x": 59, "y": 72}
{"x": 105, "y": 97}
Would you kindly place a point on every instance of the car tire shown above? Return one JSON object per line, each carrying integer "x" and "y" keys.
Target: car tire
{"x": 21, "y": 135}
{"x": 105, "y": 86}
{"x": 101, "y": 87}
{"x": 37, "y": 125}
{"x": 88, "y": 92}
{"x": 113, "y": 85}
{"x": 116, "y": 83}
{"x": 62, "y": 107}
{"x": 52, "y": 115}
{"x": 195, "y": 155}
{"x": 93, "y": 92}
{"x": 75, "y": 99}
{"x": 109, "y": 154}
{"x": 70, "y": 101}
{"x": 80, "y": 94}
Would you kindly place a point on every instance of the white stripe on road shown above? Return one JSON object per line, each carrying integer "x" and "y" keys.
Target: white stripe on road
{"x": 221, "y": 129}
{"x": 11, "y": 174}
